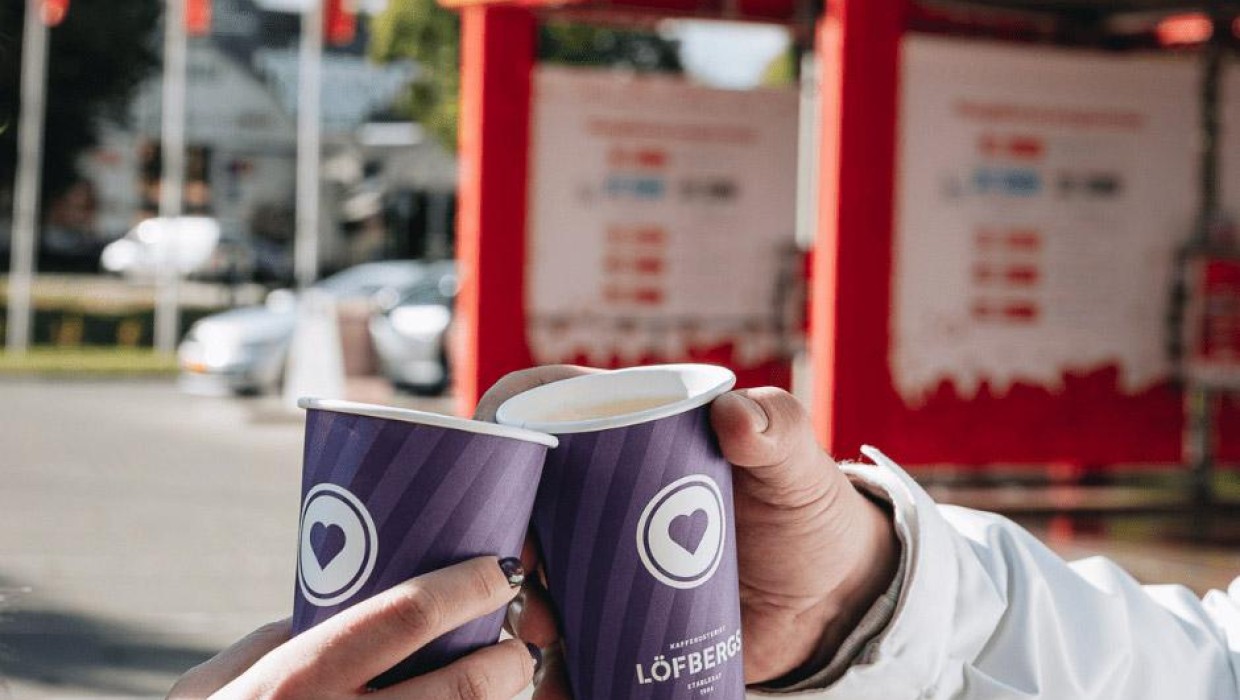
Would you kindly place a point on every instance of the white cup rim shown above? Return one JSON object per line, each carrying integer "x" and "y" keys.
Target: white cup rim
{"x": 711, "y": 381}
{"x": 409, "y": 415}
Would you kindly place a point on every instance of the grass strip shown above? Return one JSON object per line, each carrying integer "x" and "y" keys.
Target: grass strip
{"x": 88, "y": 361}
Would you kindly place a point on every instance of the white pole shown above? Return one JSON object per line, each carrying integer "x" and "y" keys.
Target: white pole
{"x": 29, "y": 174}
{"x": 807, "y": 152}
{"x": 172, "y": 187}
{"x": 309, "y": 144}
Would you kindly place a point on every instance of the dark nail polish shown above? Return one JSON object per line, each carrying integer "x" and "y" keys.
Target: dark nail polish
{"x": 513, "y": 571}
{"x": 537, "y": 655}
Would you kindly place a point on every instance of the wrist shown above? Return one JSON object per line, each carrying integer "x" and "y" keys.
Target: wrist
{"x": 875, "y": 566}
{"x": 874, "y": 553}
{"x": 873, "y": 570}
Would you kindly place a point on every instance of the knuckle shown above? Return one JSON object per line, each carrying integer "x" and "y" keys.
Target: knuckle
{"x": 787, "y": 417}
{"x": 419, "y": 610}
{"x": 474, "y": 684}
{"x": 779, "y": 401}
{"x": 484, "y": 584}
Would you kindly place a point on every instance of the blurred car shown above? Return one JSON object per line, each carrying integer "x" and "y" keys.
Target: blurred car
{"x": 186, "y": 243}
{"x": 203, "y": 251}
{"x": 239, "y": 258}
{"x": 411, "y": 333}
{"x": 244, "y": 351}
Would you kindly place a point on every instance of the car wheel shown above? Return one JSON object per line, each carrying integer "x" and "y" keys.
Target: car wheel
{"x": 436, "y": 388}
{"x": 247, "y": 392}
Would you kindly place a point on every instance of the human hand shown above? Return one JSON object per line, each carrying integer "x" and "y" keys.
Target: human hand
{"x": 814, "y": 553}
{"x": 339, "y": 657}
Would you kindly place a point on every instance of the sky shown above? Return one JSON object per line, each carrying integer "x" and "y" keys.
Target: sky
{"x": 728, "y": 54}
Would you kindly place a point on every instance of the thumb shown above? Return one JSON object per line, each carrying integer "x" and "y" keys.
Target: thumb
{"x": 766, "y": 433}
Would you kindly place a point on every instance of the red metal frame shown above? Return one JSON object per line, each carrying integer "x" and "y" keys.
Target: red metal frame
{"x": 859, "y": 50}
{"x": 1090, "y": 421}
{"x": 497, "y": 55}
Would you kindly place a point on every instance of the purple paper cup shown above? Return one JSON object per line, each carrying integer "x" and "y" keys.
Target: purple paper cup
{"x": 388, "y": 494}
{"x": 634, "y": 521}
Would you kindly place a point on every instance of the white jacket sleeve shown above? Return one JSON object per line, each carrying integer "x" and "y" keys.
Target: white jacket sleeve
{"x": 987, "y": 611}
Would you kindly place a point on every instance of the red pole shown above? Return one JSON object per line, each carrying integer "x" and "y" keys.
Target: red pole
{"x": 859, "y": 49}
{"x": 497, "y": 57}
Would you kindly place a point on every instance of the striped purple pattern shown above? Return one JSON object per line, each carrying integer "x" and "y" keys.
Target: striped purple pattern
{"x": 437, "y": 496}
{"x": 617, "y": 618}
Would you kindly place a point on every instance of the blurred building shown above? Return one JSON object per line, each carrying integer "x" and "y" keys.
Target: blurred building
{"x": 381, "y": 182}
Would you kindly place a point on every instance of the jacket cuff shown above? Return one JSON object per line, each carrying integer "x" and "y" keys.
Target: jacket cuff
{"x": 827, "y": 667}
{"x": 907, "y": 658}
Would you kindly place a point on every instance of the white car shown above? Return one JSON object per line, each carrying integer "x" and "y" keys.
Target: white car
{"x": 244, "y": 351}
{"x": 411, "y": 334}
{"x": 185, "y": 243}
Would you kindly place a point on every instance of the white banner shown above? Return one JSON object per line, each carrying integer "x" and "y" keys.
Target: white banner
{"x": 1042, "y": 193}
{"x": 661, "y": 216}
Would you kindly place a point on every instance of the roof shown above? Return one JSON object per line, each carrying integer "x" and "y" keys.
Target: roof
{"x": 780, "y": 11}
{"x": 792, "y": 11}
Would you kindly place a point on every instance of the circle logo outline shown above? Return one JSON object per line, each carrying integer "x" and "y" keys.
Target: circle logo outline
{"x": 644, "y": 522}
{"x": 371, "y": 545}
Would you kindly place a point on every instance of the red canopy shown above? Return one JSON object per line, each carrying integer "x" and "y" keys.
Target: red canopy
{"x": 777, "y": 11}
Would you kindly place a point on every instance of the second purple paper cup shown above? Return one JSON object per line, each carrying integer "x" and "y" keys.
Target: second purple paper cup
{"x": 388, "y": 494}
{"x": 635, "y": 525}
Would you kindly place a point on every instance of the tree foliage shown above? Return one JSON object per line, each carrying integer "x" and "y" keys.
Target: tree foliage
{"x": 97, "y": 59}
{"x": 430, "y": 35}
{"x": 423, "y": 31}
{"x": 783, "y": 70}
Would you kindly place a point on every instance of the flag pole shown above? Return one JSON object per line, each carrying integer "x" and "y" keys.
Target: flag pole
{"x": 309, "y": 145}
{"x": 172, "y": 187}
{"x": 29, "y": 175}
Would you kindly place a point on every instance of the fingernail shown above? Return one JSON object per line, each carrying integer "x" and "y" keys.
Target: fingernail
{"x": 537, "y": 655}
{"x": 760, "y": 420}
{"x": 513, "y": 613}
{"x": 513, "y": 571}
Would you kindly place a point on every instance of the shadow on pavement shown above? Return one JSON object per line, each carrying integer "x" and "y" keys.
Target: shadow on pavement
{"x": 82, "y": 653}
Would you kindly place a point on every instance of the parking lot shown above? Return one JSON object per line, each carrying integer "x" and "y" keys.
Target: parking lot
{"x": 144, "y": 530}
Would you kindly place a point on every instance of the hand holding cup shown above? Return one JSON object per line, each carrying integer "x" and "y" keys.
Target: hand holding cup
{"x": 814, "y": 554}
{"x": 338, "y": 658}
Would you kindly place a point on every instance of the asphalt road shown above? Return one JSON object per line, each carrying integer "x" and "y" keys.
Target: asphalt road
{"x": 142, "y": 531}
